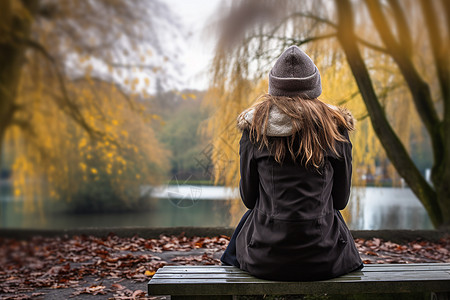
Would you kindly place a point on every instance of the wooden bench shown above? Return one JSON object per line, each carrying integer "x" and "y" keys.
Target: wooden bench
{"x": 222, "y": 282}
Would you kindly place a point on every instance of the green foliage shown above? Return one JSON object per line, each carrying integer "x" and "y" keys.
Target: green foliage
{"x": 181, "y": 133}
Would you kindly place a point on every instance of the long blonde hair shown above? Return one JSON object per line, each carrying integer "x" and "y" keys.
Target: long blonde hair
{"x": 316, "y": 123}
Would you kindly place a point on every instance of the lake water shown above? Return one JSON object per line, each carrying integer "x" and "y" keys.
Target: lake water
{"x": 369, "y": 209}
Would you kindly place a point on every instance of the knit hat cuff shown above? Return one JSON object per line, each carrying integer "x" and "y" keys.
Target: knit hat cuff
{"x": 308, "y": 87}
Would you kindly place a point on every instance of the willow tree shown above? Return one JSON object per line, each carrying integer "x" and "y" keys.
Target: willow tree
{"x": 391, "y": 56}
{"x": 71, "y": 76}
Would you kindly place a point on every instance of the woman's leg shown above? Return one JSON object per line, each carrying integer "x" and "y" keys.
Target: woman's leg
{"x": 229, "y": 255}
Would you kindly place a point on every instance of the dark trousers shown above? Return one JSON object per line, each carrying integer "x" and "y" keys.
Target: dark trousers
{"x": 229, "y": 255}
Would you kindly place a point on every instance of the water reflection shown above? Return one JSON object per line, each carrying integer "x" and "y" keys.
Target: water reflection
{"x": 386, "y": 208}
{"x": 370, "y": 208}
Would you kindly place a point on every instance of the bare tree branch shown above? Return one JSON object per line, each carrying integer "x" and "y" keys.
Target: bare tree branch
{"x": 131, "y": 66}
{"x": 314, "y": 38}
{"x": 334, "y": 25}
{"x": 119, "y": 90}
{"x": 372, "y": 46}
{"x": 403, "y": 32}
{"x": 313, "y": 17}
{"x": 72, "y": 108}
{"x": 362, "y": 118}
{"x": 420, "y": 90}
{"x": 349, "y": 98}
{"x": 439, "y": 49}
{"x": 440, "y": 53}
{"x": 292, "y": 41}
{"x": 446, "y": 6}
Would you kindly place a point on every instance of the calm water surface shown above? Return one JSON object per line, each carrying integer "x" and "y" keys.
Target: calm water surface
{"x": 369, "y": 208}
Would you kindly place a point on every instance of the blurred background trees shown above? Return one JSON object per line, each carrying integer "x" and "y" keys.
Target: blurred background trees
{"x": 385, "y": 60}
{"x": 92, "y": 112}
{"x": 74, "y": 77}
{"x": 181, "y": 134}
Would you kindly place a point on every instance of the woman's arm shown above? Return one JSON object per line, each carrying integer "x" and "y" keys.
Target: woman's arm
{"x": 342, "y": 177}
{"x": 249, "y": 184}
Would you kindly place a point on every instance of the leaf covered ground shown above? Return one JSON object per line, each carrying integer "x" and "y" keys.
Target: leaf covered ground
{"x": 118, "y": 268}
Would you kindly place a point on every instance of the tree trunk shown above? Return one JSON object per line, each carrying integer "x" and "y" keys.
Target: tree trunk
{"x": 14, "y": 28}
{"x": 444, "y": 201}
{"x": 388, "y": 138}
{"x": 441, "y": 180}
{"x": 2, "y": 135}
{"x": 440, "y": 46}
{"x": 6, "y": 115}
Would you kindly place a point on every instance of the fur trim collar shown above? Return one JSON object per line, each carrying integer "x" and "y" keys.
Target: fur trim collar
{"x": 280, "y": 125}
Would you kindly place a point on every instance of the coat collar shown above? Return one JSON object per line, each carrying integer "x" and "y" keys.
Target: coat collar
{"x": 280, "y": 125}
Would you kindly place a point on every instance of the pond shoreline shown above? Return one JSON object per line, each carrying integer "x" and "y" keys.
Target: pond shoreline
{"x": 149, "y": 233}
{"x": 206, "y": 206}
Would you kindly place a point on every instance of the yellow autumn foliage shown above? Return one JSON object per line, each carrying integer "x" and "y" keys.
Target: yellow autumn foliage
{"x": 57, "y": 158}
{"x": 69, "y": 134}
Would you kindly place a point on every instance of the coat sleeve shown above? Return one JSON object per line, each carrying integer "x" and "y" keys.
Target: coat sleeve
{"x": 342, "y": 177}
{"x": 249, "y": 183}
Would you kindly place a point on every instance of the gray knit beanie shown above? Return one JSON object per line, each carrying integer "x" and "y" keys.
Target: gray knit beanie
{"x": 295, "y": 74}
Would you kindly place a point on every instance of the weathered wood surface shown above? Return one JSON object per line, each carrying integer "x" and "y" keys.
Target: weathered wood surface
{"x": 224, "y": 280}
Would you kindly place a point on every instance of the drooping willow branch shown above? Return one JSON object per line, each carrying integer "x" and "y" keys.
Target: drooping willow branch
{"x": 65, "y": 101}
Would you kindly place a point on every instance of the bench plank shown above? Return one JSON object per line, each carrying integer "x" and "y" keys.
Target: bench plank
{"x": 367, "y": 268}
{"x": 226, "y": 280}
{"x": 204, "y": 278}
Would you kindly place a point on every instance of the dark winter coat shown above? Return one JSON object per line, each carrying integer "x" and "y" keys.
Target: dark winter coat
{"x": 295, "y": 230}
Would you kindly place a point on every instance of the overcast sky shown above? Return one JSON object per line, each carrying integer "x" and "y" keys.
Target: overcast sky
{"x": 197, "y": 49}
